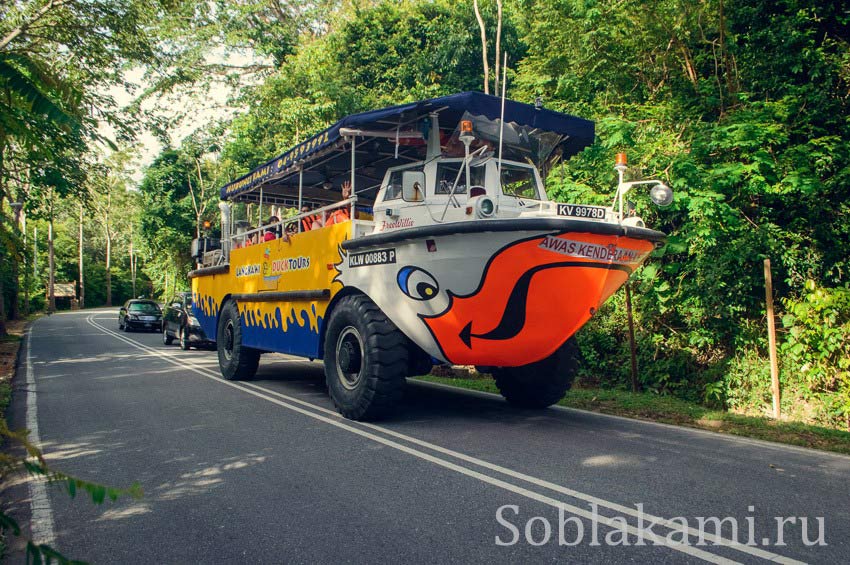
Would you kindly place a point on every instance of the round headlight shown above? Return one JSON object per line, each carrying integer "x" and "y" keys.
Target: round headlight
{"x": 661, "y": 194}
{"x": 485, "y": 206}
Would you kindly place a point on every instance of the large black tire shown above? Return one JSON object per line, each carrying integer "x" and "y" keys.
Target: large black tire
{"x": 166, "y": 339}
{"x": 183, "y": 339}
{"x": 419, "y": 362}
{"x": 540, "y": 384}
{"x": 365, "y": 360}
{"x": 237, "y": 362}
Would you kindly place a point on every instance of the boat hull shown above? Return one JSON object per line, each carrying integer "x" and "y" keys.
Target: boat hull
{"x": 494, "y": 294}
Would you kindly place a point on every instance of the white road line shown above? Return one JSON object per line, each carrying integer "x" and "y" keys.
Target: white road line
{"x": 262, "y": 392}
{"x": 644, "y": 533}
{"x": 41, "y": 521}
{"x": 590, "y": 499}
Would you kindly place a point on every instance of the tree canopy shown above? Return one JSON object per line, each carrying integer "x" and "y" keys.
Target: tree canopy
{"x": 741, "y": 105}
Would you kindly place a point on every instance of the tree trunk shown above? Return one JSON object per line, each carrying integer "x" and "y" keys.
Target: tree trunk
{"x": 108, "y": 234}
{"x": 26, "y": 309}
{"x": 498, "y": 43}
{"x": 483, "y": 46}
{"x": 108, "y": 271}
{"x": 51, "y": 264}
{"x": 14, "y": 307}
{"x": 2, "y": 309}
{"x": 2, "y": 295}
{"x": 132, "y": 265}
{"x": 82, "y": 279}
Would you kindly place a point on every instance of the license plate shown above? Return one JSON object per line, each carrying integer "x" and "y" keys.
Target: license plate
{"x": 148, "y": 318}
{"x": 579, "y": 211}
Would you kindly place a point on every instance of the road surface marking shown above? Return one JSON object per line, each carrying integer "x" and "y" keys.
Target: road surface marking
{"x": 41, "y": 521}
{"x": 336, "y": 420}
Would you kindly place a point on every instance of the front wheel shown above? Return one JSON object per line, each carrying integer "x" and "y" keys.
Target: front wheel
{"x": 184, "y": 339}
{"x": 540, "y": 384}
{"x": 365, "y": 359}
{"x": 237, "y": 362}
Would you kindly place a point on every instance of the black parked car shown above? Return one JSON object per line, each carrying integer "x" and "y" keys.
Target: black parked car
{"x": 179, "y": 323}
{"x": 139, "y": 314}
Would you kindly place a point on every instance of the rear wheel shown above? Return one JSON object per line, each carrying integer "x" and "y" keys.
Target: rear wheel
{"x": 166, "y": 339}
{"x": 237, "y": 362}
{"x": 183, "y": 339}
{"x": 365, "y": 359}
{"x": 539, "y": 384}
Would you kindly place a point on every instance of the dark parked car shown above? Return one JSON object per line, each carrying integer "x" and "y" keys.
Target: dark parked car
{"x": 140, "y": 314}
{"x": 179, "y": 323}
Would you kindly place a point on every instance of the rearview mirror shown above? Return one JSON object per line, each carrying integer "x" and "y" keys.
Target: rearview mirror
{"x": 413, "y": 186}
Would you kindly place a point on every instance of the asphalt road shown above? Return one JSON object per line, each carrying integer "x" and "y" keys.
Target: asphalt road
{"x": 266, "y": 472}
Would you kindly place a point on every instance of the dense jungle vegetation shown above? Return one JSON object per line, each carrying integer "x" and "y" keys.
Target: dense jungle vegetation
{"x": 742, "y": 105}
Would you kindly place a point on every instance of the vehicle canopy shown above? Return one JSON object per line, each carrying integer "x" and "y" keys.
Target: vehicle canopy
{"x": 314, "y": 170}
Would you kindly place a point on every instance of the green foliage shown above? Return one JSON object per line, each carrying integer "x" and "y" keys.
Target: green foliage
{"x": 381, "y": 54}
{"x": 742, "y": 107}
{"x": 816, "y": 353}
{"x": 756, "y": 149}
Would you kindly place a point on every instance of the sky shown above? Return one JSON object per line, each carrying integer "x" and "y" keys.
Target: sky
{"x": 192, "y": 109}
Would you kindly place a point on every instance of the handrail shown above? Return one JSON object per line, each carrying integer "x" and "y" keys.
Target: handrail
{"x": 247, "y": 235}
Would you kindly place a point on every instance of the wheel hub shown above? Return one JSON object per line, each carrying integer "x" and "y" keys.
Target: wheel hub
{"x": 349, "y": 357}
{"x": 228, "y": 340}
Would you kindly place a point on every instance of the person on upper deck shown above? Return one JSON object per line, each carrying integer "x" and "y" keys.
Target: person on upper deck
{"x": 272, "y": 228}
{"x": 307, "y": 221}
{"x": 341, "y": 214}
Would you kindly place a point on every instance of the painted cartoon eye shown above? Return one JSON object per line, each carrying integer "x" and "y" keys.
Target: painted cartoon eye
{"x": 417, "y": 283}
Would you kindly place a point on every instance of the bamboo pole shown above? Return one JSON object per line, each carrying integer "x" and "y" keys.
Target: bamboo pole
{"x": 771, "y": 339}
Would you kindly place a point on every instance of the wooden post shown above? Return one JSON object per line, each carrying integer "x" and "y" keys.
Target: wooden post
{"x": 632, "y": 346}
{"x": 771, "y": 339}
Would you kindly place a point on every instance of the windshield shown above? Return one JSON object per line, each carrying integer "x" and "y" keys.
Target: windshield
{"x": 448, "y": 172}
{"x": 144, "y": 308}
{"x": 519, "y": 181}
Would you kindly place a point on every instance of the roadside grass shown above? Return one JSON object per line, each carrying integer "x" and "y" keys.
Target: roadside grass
{"x": 9, "y": 345}
{"x": 670, "y": 410}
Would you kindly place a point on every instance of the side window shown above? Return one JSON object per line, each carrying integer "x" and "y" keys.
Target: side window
{"x": 448, "y": 172}
{"x": 394, "y": 187}
{"x": 393, "y": 191}
{"x": 519, "y": 182}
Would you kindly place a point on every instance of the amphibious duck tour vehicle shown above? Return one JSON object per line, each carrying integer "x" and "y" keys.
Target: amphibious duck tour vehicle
{"x": 424, "y": 235}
